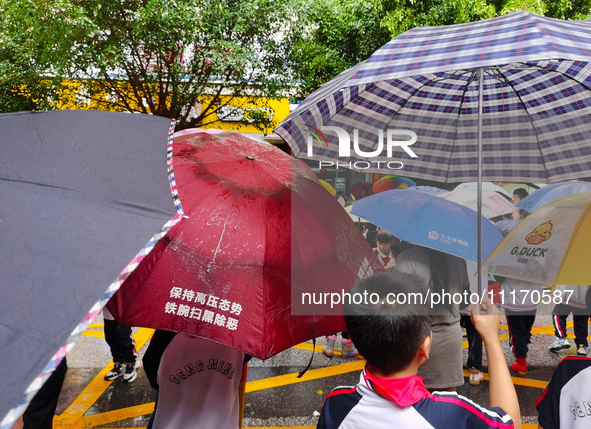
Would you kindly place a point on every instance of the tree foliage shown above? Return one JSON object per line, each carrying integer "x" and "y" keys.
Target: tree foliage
{"x": 339, "y": 34}
{"x": 402, "y": 15}
{"x": 342, "y": 33}
{"x": 164, "y": 56}
{"x": 158, "y": 56}
{"x": 20, "y": 86}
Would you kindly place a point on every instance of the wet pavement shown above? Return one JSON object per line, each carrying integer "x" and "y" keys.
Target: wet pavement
{"x": 275, "y": 396}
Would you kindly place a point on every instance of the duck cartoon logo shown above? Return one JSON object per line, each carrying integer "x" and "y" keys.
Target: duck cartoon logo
{"x": 540, "y": 234}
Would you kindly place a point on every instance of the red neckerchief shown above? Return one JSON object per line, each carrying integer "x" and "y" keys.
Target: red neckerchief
{"x": 384, "y": 259}
{"x": 404, "y": 391}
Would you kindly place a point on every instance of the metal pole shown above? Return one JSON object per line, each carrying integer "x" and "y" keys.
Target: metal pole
{"x": 479, "y": 185}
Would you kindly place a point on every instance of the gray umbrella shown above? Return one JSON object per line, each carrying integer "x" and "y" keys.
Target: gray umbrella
{"x": 83, "y": 194}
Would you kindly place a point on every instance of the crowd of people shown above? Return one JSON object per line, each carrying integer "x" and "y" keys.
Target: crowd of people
{"x": 442, "y": 371}
{"x": 413, "y": 352}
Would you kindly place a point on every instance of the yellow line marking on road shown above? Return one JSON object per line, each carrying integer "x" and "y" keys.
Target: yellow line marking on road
{"x": 546, "y": 330}
{"x": 307, "y": 346}
{"x": 337, "y": 352}
{"x": 95, "y": 388}
{"x": 518, "y": 381}
{"x": 93, "y": 333}
{"x": 73, "y": 417}
{"x": 317, "y": 348}
{"x": 313, "y": 374}
{"x": 116, "y": 415}
{"x": 96, "y": 325}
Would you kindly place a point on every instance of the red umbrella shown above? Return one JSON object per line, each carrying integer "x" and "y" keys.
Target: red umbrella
{"x": 357, "y": 189}
{"x": 261, "y": 236}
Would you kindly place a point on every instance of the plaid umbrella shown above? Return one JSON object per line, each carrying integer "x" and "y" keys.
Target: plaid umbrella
{"x": 533, "y": 73}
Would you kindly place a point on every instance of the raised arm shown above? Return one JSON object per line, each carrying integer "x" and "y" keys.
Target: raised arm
{"x": 486, "y": 318}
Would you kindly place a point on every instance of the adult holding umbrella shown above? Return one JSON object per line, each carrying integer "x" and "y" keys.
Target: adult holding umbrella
{"x": 445, "y": 233}
{"x": 441, "y": 273}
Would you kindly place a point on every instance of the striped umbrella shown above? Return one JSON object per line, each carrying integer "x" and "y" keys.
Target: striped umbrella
{"x": 519, "y": 80}
{"x": 504, "y": 99}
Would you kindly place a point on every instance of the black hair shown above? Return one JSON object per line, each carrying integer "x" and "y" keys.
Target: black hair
{"x": 588, "y": 298}
{"x": 521, "y": 192}
{"x": 388, "y": 332}
{"x": 384, "y": 237}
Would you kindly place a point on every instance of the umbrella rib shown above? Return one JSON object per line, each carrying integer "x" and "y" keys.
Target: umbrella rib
{"x": 265, "y": 216}
{"x": 561, "y": 74}
{"x": 440, "y": 79}
{"x": 215, "y": 255}
{"x": 508, "y": 82}
{"x": 406, "y": 100}
{"x": 462, "y": 101}
{"x": 27, "y": 182}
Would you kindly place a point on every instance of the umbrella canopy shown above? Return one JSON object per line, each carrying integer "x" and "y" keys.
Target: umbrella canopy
{"x": 260, "y": 233}
{"x": 550, "y": 246}
{"x": 415, "y": 105}
{"x": 354, "y": 218}
{"x": 392, "y": 182}
{"x": 551, "y": 193}
{"x": 486, "y": 186}
{"x": 328, "y": 187}
{"x": 431, "y": 190}
{"x": 493, "y": 204}
{"x": 83, "y": 192}
{"x": 506, "y": 225}
{"x": 358, "y": 189}
{"x": 429, "y": 221}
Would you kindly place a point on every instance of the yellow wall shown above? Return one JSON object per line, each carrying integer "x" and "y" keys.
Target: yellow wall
{"x": 74, "y": 95}
{"x": 278, "y": 107}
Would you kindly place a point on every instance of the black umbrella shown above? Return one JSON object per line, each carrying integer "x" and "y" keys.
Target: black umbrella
{"x": 84, "y": 196}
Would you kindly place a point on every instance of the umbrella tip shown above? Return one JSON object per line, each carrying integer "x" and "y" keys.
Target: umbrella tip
{"x": 251, "y": 158}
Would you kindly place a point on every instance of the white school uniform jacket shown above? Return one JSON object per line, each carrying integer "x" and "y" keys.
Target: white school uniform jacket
{"x": 565, "y": 403}
{"x": 410, "y": 405}
{"x": 198, "y": 385}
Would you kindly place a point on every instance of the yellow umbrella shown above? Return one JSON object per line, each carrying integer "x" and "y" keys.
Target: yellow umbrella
{"x": 550, "y": 246}
{"x": 328, "y": 187}
{"x": 355, "y": 218}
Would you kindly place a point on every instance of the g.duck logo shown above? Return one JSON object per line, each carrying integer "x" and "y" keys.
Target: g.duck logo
{"x": 540, "y": 234}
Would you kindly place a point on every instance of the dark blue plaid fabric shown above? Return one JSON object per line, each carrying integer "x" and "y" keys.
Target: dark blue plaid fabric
{"x": 536, "y": 125}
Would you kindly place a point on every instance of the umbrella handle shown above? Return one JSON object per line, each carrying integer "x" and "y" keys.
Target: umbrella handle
{"x": 311, "y": 358}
